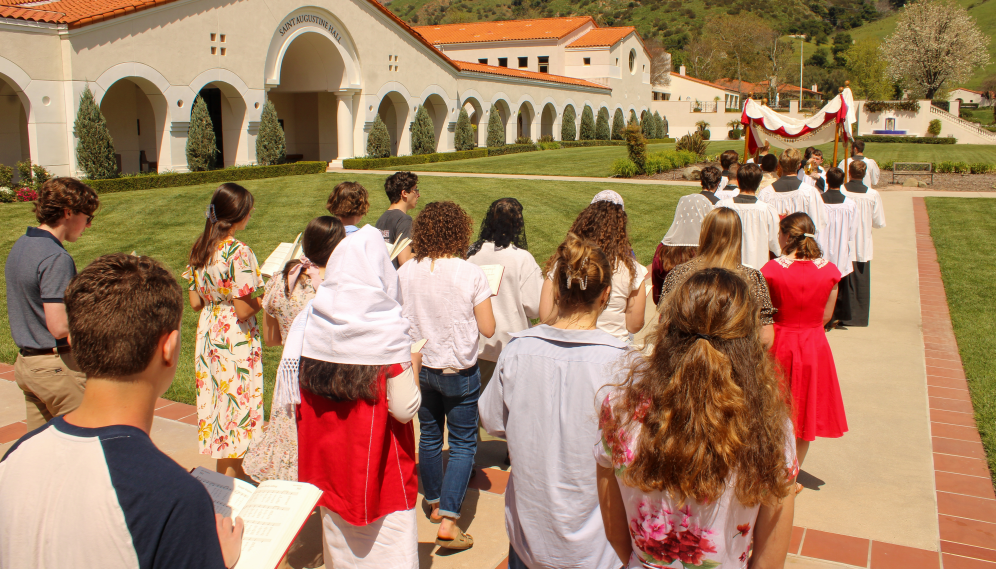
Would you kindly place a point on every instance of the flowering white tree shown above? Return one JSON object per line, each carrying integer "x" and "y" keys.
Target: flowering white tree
{"x": 936, "y": 44}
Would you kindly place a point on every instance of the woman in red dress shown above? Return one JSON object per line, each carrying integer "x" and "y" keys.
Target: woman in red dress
{"x": 803, "y": 288}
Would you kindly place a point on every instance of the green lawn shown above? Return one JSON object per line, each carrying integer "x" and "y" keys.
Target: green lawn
{"x": 597, "y": 161}
{"x": 961, "y": 230}
{"x": 981, "y": 116}
{"x": 164, "y": 224}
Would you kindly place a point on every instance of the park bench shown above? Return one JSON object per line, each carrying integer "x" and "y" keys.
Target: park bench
{"x": 912, "y": 169}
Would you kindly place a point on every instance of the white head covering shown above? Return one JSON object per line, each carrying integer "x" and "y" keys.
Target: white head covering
{"x": 355, "y": 317}
{"x": 687, "y": 224}
{"x": 610, "y": 196}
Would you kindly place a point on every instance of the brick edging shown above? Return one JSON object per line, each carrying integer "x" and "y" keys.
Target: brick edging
{"x": 966, "y": 504}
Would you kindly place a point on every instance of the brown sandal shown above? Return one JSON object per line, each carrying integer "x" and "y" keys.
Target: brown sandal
{"x": 461, "y": 542}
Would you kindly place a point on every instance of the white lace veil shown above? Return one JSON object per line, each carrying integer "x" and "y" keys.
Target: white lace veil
{"x": 687, "y": 224}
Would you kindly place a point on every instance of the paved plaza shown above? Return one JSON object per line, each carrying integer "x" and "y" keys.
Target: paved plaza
{"x": 907, "y": 487}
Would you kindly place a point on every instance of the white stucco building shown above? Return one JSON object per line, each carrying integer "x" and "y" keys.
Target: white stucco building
{"x": 329, "y": 68}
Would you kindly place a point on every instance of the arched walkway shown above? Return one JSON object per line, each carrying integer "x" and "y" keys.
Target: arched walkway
{"x": 14, "y": 145}
{"x": 393, "y": 110}
{"x": 476, "y": 112}
{"x": 436, "y": 107}
{"x": 526, "y": 116}
{"x": 136, "y": 114}
{"x": 308, "y": 99}
{"x": 547, "y": 121}
{"x": 228, "y": 115}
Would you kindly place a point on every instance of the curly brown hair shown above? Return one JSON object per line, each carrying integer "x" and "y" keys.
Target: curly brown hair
{"x": 711, "y": 408}
{"x": 441, "y": 229}
{"x": 604, "y": 224}
{"x": 348, "y": 199}
{"x": 59, "y": 195}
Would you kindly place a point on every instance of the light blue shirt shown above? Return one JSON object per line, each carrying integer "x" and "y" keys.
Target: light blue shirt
{"x": 350, "y": 229}
{"x": 542, "y": 399}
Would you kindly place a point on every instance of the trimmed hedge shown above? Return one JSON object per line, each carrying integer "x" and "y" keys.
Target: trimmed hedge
{"x": 907, "y": 139}
{"x": 511, "y": 149}
{"x": 949, "y": 167}
{"x": 239, "y": 173}
{"x": 374, "y": 163}
{"x": 579, "y": 143}
{"x": 656, "y": 163}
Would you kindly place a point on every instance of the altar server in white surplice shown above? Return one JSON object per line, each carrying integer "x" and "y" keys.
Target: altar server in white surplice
{"x": 788, "y": 194}
{"x": 872, "y": 172}
{"x": 837, "y": 238}
{"x": 854, "y": 296}
{"x": 759, "y": 220}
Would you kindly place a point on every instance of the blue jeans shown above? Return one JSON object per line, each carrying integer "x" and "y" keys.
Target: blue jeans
{"x": 448, "y": 401}
{"x": 514, "y": 562}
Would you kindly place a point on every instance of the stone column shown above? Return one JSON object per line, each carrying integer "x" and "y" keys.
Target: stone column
{"x": 344, "y": 123}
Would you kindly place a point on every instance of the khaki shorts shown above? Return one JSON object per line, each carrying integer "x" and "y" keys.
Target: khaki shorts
{"x": 52, "y": 385}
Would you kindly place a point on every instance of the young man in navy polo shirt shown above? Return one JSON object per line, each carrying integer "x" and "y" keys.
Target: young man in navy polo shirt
{"x": 38, "y": 270}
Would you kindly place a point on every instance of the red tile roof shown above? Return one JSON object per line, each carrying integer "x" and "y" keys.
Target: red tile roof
{"x": 762, "y": 87}
{"x": 508, "y": 72}
{"x": 506, "y": 30}
{"x": 602, "y": 37}
{"x": 702, "y": 81}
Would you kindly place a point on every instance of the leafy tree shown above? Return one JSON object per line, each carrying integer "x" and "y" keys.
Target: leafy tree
{"x": 742, "y": 40}
{"x": 936, "y": 44}
{"x": 202, "y": 147}
{"x": 95, "y": 149}
{"x": 618, "y": 124}
{"x": 568, "y": 126}
{"x": 819, "y": 57}
{"x": 587, "y": 124}
{"x": 379, "y": 141}
{"x": 636, "y": 145}
{"x": 602, "y": 131}
{"x": 866, "y": 71}
{"x": 423, "y": 133}
{"x": 464, "y": 133}
{"x": 271, "y": 148}
{"x": 496, "y": 130}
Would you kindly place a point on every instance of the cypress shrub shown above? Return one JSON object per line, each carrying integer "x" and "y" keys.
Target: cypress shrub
{"x": 423, "y": 133}
{"x": 660, "y": 130}
{"x": 95, "y": 149}
{"x": 632, "y": 118}
{"x": 636, "y": 144}
{"x": 587, "y": 124}
{"x": 569, "y": 127}
{"x": 464, "y": 133}
{"x": 379, "y": 141}
{"x": 618, "y": 124}
{"x": 271, "y": 148}
{"x": 202, "y": 148}
{"x": 496, "y": 130}
{"x": 648, "y": 125}
{"x": 602, "y": 130}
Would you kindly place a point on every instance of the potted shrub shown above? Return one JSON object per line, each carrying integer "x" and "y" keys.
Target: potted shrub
{"x": 734, "y": 132}
{"x": 703, "y": 129}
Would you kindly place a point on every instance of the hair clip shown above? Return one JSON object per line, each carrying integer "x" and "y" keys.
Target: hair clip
{"x": 209, "y": 214}
{"x": 809, "y": 235}
{"x": 568, "y": 273}
{"x": 705, "y": 337}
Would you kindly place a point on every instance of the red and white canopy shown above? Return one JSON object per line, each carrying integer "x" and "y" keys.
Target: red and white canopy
{"x": 765, "y": 124}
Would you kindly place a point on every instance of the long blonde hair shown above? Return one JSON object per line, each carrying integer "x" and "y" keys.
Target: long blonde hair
{"x": 720, "y": 240}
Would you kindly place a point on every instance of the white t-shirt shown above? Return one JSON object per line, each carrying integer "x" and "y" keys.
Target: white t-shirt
{"x": 613, "y": 318}
{"x": 518, "y": 297}
{"x": 439, "y": 302}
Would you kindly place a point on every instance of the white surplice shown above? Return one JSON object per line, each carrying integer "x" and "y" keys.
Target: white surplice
{"x": 760, "y": 231}
{"x": 837, "y": 238}
{"x": 805, "y": 199}
{"x": 723, "y": 193}
{"x": 870, "y": 215}
{"x": 872, "y": 174}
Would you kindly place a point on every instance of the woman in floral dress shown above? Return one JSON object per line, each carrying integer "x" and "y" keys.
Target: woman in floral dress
{"x": 697, "y": 456}
{"x": 228, "y": 368}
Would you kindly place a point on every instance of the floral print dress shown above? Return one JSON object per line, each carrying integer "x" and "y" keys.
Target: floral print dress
{"x": 228, "y": 366}
{"x": 714, "y": 535}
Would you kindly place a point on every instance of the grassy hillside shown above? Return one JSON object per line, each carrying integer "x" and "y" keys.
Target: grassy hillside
{"x": 984, "y": 12}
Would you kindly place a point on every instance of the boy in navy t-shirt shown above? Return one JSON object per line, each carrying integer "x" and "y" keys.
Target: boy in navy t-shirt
{"x": 90, "y": 489}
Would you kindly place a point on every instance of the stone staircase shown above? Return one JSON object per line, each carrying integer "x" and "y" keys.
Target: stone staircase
{"x": 966, "y": 132}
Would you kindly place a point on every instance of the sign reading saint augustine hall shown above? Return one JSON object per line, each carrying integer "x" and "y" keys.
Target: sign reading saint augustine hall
{"x": 310, "y": 19}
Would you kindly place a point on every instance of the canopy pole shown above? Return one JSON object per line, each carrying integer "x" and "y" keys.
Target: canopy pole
{"x": 836, "y": 140}
{"x": 847, "y": 176}
{"x": 746, "y": 145}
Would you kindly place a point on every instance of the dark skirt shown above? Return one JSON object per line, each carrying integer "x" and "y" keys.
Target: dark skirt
{"x": 853, "y": 296}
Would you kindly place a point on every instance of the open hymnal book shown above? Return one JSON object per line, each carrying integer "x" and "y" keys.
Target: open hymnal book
{"x": 279, "y": 257}
{"x": 273, "y": 513}
{"x": 493, "y": 273}
{"x": 395, "y": 249}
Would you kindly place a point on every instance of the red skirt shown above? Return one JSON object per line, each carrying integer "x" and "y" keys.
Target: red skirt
{"x": 810, "y": 376}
